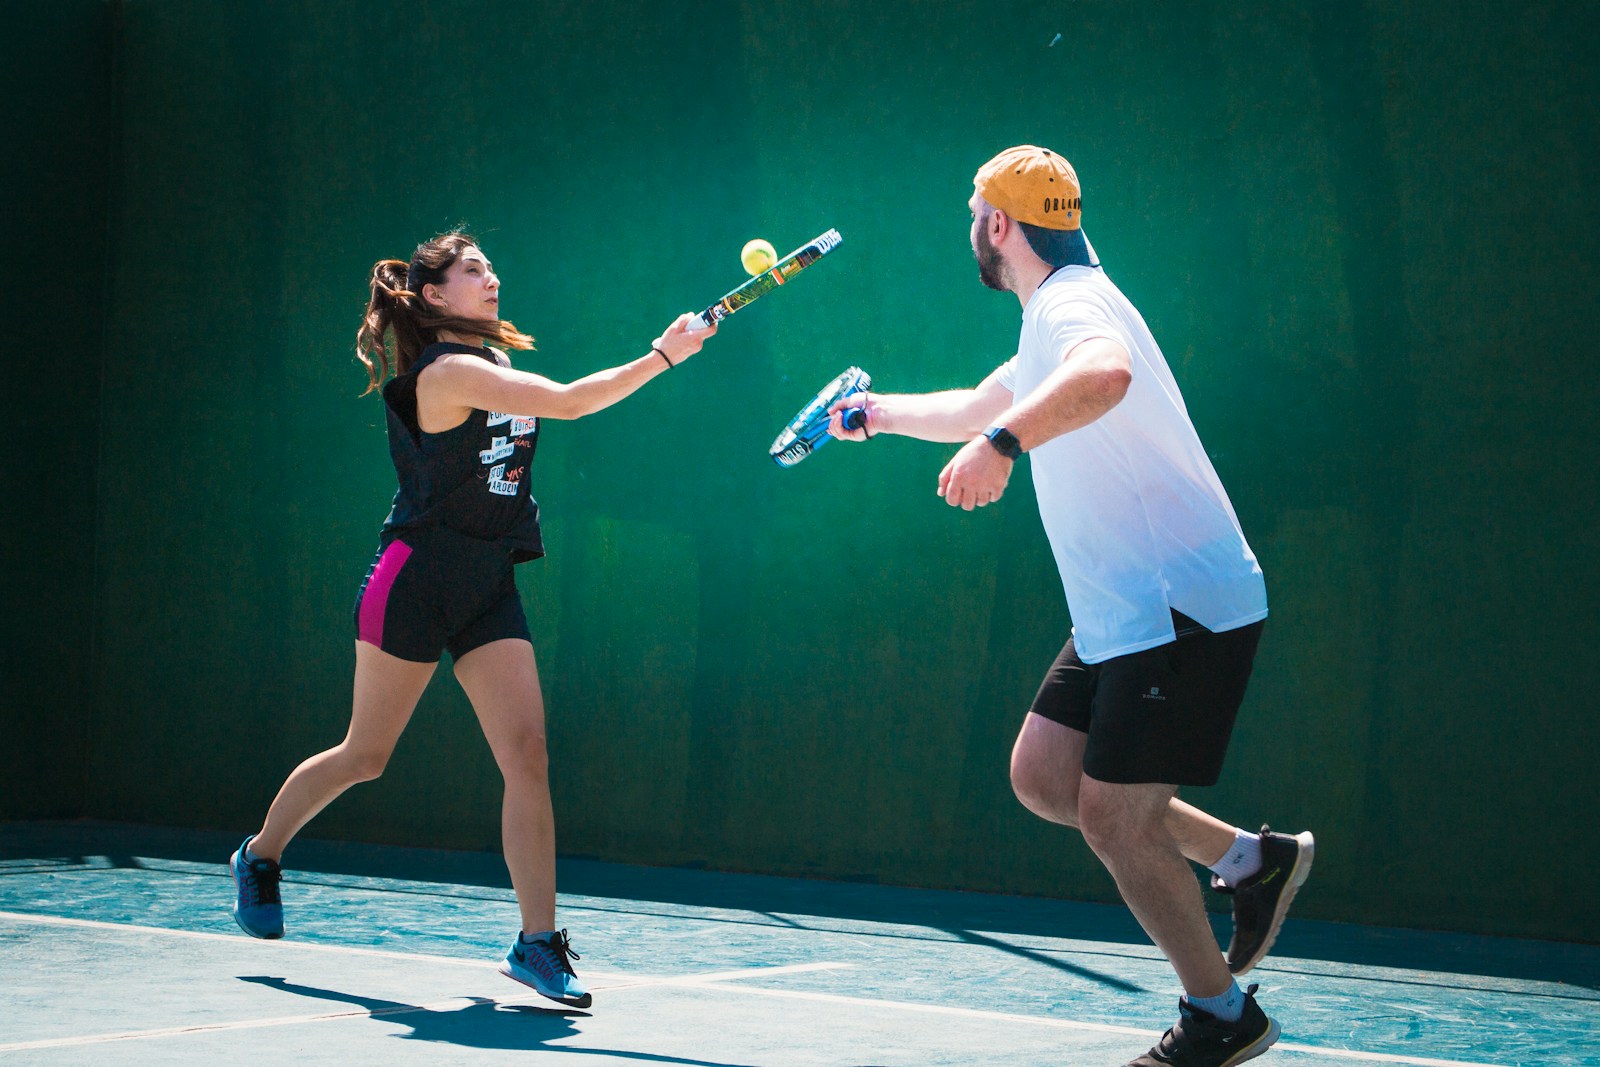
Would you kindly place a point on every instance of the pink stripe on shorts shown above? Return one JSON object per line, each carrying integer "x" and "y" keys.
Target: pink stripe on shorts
{"x": 375, "y": 600}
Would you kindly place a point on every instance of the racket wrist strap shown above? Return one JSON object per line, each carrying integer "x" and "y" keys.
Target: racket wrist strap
{"x": 663, "y": 356}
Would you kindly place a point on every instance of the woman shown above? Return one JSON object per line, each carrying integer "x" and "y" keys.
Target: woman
{"x": 462, "y": 430}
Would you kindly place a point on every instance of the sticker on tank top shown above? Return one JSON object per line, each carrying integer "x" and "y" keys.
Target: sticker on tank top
{"x": 499, "y": 448}
{"x": 503, "y": 482}
{"x": 519, "y": 425}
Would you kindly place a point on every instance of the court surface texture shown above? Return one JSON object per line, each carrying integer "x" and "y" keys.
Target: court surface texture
{"x": 116, "y": 947}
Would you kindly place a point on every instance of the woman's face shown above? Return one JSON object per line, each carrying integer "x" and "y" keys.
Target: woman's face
{"x": 470, "y": 290}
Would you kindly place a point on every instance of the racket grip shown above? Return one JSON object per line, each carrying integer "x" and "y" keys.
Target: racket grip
{"x": 696, "y": 323}
{"x": 854, "y": 418}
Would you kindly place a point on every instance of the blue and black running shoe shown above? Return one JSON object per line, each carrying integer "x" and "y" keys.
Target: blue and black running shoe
{"x": 545, "y": 964}
{"x": 258, "y": 909}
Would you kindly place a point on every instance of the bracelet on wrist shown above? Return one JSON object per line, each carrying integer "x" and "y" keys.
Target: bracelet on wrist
{"x": 663, "y": 356}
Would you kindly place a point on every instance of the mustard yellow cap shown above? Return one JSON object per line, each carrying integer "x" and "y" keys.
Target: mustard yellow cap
{"x": 1033, "y": 185}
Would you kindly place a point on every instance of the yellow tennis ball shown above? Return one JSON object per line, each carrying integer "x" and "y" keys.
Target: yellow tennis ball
{"x": 758, "y": 256}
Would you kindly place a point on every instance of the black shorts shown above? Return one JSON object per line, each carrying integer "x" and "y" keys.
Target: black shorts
{"x": 436, "y": 589}
{"x": 1162, "y": 715}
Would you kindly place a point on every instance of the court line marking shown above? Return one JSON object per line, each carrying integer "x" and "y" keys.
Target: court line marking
{"x": 618, "y": 982}
{"x": 209, "y": 935}
{"x": 1071, "y": 1024}
{"x": 375, "y": 1013}
{"x": 253, "y": 1024}
{"x": 729, "y": 976}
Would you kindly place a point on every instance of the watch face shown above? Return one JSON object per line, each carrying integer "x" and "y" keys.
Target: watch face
{"x": 1004, "y": 441}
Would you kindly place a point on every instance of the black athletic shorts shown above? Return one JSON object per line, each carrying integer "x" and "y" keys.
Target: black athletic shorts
{"x": 1161, "y": 715}
{"x": 436, "y": 589}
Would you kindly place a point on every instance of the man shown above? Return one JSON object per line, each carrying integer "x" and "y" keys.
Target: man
{"x": 1166, "y": 597}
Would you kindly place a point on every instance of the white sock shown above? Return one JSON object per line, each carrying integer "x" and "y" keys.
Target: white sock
{"x": 1229, "y": 1006}
{"x": 1242, "y": 859}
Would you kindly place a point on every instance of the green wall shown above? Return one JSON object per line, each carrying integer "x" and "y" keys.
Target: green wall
{"x": 1362, "y": 233}
{"x": 59, "y": 142}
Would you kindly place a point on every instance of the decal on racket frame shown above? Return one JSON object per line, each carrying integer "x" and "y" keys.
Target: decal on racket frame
{"x": 808, "y": 430}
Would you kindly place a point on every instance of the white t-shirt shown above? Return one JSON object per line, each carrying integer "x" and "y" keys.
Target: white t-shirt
{"x": 1136, "y": 516}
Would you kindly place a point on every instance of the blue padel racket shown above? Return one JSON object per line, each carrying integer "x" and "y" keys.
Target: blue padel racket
{"x": 808, "y": 431}
{"x": 764, "y": 283}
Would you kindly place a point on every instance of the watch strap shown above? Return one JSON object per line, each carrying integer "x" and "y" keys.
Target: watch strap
{"x": 1004, "y": 441}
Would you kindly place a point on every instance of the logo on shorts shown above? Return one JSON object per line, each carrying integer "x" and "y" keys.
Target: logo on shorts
{"x": 1154, "y": 694}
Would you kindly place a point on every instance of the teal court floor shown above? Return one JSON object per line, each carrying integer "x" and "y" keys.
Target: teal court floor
{"x": 116, "y": 947}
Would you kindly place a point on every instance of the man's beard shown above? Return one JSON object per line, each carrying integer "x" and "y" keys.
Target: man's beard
{"x": 992, "y": 269}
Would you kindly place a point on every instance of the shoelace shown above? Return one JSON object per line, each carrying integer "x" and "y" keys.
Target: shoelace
{"x": 561, "y": 947}
{"x": 263, "y": 881}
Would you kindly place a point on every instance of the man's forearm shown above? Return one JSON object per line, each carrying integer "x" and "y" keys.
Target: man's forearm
{"x": 1091, "y": 382}
{"x": 952, "y": 415}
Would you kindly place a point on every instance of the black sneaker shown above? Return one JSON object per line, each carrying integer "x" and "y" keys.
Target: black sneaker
{"x": 1200, "y": 1039}
{"x": 1261, "y": 901}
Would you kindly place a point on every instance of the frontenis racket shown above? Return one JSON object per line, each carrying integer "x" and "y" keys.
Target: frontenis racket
{"x": 808, "y": 431}
{"x": 764, "y": 283}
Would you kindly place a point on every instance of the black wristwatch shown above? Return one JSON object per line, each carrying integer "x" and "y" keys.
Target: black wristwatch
{"x": 1005, "y": 442}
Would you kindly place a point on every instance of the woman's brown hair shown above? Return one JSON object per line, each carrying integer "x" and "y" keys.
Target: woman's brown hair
{"x": 399, "y": 323}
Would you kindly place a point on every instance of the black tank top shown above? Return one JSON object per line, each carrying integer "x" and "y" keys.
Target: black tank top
{"x": 472, "y": 478}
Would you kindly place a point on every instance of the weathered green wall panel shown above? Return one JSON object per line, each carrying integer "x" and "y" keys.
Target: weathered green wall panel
{"x": 59, "y": 142}
{"x": 1363, "y": 235}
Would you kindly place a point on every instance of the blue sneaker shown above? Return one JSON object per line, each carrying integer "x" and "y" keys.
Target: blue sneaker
{"x": 258, "y": 910}
{"x": 545, "y": 964}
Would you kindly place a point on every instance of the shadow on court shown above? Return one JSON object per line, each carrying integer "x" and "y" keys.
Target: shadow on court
{"x": 777, "y": 901}
{"x": 480, "y": 1024}
{"x": 699, "y": 968}
{"x": 1046, "y": 959}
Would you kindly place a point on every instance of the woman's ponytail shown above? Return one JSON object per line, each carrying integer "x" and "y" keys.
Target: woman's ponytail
{"x": 399, "y": 324}
{"x": 386, "y": 311}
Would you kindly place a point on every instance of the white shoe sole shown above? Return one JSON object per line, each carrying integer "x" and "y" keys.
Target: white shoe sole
{"x": 1260, "y": 1045}
{"x": 571, "y": 1002}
